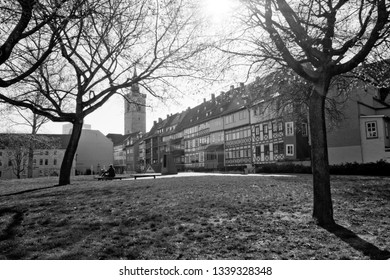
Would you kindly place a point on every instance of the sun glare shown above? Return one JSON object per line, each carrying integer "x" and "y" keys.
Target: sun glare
{"x": 218, "y": 10}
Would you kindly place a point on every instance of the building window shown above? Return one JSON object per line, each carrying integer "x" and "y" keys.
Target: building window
{"x": 258, "y": 151}
{"x": 47, "y": 153}
{"x": 242, "y": 115}
{"x": 289, "y": 128}
{"x": 229, "y": 119}
{"x": 41, "y": 162}
{"x": 265, "y": 129}
{"x": 46, "y": 162}
{"x": 386, "y": 130}
{"x": 1, "y": 164}
{"x": 266, "y": 150}
{"x": 257, "y": 130}
{"x": 280, "y": 126}
{"x": 1, "y": 154}
{"x": 274, "y": 127}
{"x": 371, "y": 130}
{"x": 304, "y": 129}
{"x": 9, "y": 163}
{"x": 278, "y": 148}
{"x": 55, "y": 161}
{"x": 290, "y": 150}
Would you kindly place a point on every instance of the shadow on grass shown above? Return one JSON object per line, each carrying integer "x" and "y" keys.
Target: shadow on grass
{"x": 7, "y": 231}
{"x": 28, "y": 191}
{"x": 357, "y": 243}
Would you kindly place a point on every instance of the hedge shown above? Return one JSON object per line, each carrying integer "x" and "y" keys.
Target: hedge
{"x": 379, "y": 168}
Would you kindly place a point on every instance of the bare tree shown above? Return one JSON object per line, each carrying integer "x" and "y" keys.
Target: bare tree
{"x": 96, "y": 59}
{"x": 17, "y": 147}
{"x": 318, "y": 40}
{"x": 20, "y": 24}
{"x": 23, "y": 117}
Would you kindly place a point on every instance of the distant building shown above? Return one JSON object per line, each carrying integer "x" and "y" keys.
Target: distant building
{"x": 363, "y": 134}
{"x": 46, "y": 162}
{"x": 131, "y": 147}
{"x": 94, "y": 152}
{"x": 119, "y": 155}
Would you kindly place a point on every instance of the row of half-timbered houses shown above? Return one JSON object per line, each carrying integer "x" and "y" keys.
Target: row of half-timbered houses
{"x": 229, "y": 130}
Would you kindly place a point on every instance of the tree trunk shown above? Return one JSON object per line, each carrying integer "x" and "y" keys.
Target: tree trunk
{"x": 322, "y": 204}
{"x": 31, "y": 148}
{"x": 67, "y": 162}
{"x": 30, "y": 162}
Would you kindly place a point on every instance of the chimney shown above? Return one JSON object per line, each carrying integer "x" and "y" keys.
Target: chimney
{"x": 204, "y": 100}
{"x": 231, "y": 87}
{"x": 159, "y": 120}
{"x": 213, "y": 97}
{"x": 242, "y": 85}
{"x": 167, "y": 116}
{"x": 155, "y": 122}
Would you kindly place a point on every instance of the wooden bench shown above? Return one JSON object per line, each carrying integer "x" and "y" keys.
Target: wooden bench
{"x": 101, "y": 178}
{"x": 140, "y": 175}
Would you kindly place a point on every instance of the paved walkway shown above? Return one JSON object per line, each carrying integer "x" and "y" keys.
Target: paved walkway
{"x": 201, "y": 174}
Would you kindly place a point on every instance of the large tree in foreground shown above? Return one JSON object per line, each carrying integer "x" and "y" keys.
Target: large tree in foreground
{"x": 319, "y": 40}
{"x": 97, "y": 56}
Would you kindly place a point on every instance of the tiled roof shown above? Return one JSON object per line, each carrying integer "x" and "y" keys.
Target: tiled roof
{"x": 117, "y": 139}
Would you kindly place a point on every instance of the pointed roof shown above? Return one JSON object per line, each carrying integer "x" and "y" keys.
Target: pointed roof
{"x": 117, "y": 139}
{"x": 135, "y": 86}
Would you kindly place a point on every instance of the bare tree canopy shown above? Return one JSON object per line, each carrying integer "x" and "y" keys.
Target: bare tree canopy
{"x": 26, "y": 39}
{"x": 312, "y": 36}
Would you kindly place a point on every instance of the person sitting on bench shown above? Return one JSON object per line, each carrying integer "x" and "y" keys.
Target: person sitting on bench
{"x": 109, "y": 173}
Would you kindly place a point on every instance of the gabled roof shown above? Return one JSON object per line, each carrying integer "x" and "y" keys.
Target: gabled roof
{"x": 117, "y": 139}
{"x": 221, "y": 105}
{"x": 135, "y": 136}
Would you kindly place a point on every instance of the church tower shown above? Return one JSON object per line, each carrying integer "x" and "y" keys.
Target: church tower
{"x": 135, "y": 110}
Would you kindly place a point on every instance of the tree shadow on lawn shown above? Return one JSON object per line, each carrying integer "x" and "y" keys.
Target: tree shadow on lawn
{"x": 29, "y": 191}
{"x": 357, "y": 243}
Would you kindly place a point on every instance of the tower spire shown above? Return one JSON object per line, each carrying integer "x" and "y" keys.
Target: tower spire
{"x": 135, "y": 113}
{"x": 135, "y": 86}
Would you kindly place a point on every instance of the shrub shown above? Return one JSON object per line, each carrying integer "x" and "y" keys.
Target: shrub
{"x": 282, "y": 168}
{"x": 379, "y": 168}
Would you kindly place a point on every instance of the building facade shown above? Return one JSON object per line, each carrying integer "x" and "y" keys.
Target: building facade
{"x": 245, "y": 126}
{"x": 94, "y": 152}
{"x": 362, "y": 135}
{"x": 46, "y": 161}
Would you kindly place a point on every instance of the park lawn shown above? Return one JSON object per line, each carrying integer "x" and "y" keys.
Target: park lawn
{"x": 209, "y": 217}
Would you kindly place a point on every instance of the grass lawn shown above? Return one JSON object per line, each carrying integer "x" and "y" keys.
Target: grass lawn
{"x": 208, "y": 217}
